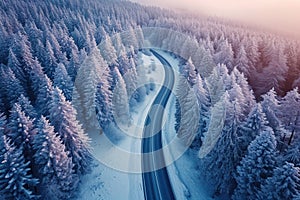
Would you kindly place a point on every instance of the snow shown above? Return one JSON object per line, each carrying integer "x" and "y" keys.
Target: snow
{"x": 183, "y": 173}
{"x": 114, "y": 176}
{"x": 119, "y": 177}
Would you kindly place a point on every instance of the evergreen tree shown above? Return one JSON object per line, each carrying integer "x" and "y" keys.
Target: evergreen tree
{"x": 256, "y": 166}
{"x": 120, "y": 100}
{"x": 12, "y": 87}
{"x": 224, "y": 154}
{"x": 270, "y": 105}
{"x": 204, "y": 104}
{"x": 247, "y": 92}
{"x": 93, "y": 71}
{"x": 63, "y": 81}
{"x": 43, "y": 91}
{"x": 63, "y": 118}
{"x": 108, "y": 51}
{"x": 54, "y": 167}
{"x": 103, "y": 105}
{"x": 242, "y": 62}
{"x": 21, "y": 131}
{"x": 25, "y": 104}
{"x": 189, "y": 115}
{"x": 255, "y": 123}
{"x": 284, "y": 184}
{"x": 49, "y": 60}
{"x": 16, "y": 182}
{"x": 189, "y": 72}
{"x": 290, "y": 112}
{"x": 224, "y": 55}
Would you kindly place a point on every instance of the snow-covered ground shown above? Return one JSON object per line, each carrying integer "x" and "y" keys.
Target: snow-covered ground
{"x": 110, "y": 177}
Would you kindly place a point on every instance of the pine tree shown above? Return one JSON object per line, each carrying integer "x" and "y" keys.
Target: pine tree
{"x": 274, "y": 74}
{"x": 216, "y": 83}
{"x": 290, "y": 112}
{"x": 189, "y": 112}
{"x": 224, "y": 55}
{"x": 63, "y": 118}
{"x": 256, "y": 166}
{"x": 224, "y": 154}
{"x": 25, "y": 104}
{"x": 242, "y": 62}
{"x": 120, "y": 100}
{"x": 108, "y": 51}
{"x": 103, "y": 105}
{"x": 12, "y": 87}
{"x": 21, "y": 131}
{"x": 16, "y": 182}
{"x": 63, "y": 81}
{"x": 54, "y": 167}
{"x": 204, "y": 103}
{"x": 270, "y": 105}
{"x": 189, "y": 72}
{"x": 284, "y": 184}
{"x": 246, "y": 90}
{"x": 43, "y": 89}
{"x": 93, "y": 71}
{"x": 255, "y": 123}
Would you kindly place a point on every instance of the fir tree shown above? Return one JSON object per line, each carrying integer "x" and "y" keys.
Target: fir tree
{"x": 284, "y": 184}
{"x": 63, "y": 118}
{"x": 16, "y": 182}
{"x": 63, "y": 81}
{"x": 54, "y": 167}
{"x": 256, "y": 166}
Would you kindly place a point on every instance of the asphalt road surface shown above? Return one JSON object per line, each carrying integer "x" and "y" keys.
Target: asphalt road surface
{"x": 156, "y": 182}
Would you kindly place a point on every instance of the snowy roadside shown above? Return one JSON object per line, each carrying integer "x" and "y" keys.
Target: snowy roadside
{"x": 183, "y": 173}
{"x": 105, "y": 182}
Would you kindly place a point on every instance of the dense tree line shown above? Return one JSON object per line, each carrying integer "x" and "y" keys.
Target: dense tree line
{"x": 244, "y": 82}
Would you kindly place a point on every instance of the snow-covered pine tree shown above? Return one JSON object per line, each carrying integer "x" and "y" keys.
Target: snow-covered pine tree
{"x": 270, "y": 106}
{"x": 16, "y": 182}
{"x": 108, "y": 51}
{"x": 43, "y": 88}
{"x": 242, "y": 62}
{"x": 255, "y": 123}
{"x": 93, "y": 71}
{"x": 27, "y": 107}
{"x": 187, "y": 111}
{"x": 284, "y": 184}
{"x": 52, "y": 163}
{"x": 216, "y": 124}
{"x": 289, "y": 112}
{"x": 274, "y": 75}
{"x": 21, "y": 131}
{"x": 63, "y": 118}
{"x": 63, "y": 81}
{"x": 120, "y": 100}
{"x": 204, "y": 105}
{"x": 256, "y": 166}
{"x": 216, "y": 83}
{"x": 12, "y": 88}
{"x": 189, "y": 72}
{"x": 224, "y": 55}
{"x": 224, "y": 154}
{"x": 103, "y": 105}
{"x": 123, "y": 62}
{"x": 246, "y": 90}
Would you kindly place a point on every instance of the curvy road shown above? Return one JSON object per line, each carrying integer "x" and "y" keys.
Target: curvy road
{"x": 156, "y": 182}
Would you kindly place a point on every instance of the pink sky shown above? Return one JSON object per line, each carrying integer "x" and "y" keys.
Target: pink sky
{"x": 282, "y": 15}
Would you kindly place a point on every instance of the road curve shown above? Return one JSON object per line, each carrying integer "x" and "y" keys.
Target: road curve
{"x": 156, "y": 183}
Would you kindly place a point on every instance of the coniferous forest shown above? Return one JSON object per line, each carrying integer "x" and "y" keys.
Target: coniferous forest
{"x": 247, "y": 129}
